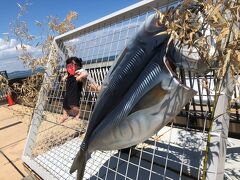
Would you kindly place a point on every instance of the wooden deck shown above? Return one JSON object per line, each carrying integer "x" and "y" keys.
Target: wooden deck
{"x": 14, "y": 123}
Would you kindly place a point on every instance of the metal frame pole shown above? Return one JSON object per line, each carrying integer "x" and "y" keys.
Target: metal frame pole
{"x": 219, "y": 132}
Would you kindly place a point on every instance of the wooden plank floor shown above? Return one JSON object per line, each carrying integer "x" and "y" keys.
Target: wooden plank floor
{"x": 14, "y": 123}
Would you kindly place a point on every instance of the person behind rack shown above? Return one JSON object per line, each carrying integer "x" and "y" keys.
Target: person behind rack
{"x": 74, "y": 86}
{"x": 76, "y": 79}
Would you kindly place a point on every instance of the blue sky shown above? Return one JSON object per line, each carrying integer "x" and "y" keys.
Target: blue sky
{"x": 39, "y": 10}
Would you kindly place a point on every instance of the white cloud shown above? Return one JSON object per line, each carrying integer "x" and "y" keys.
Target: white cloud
{"x": 9, "y": 53}
{"x": 7, "y": 44}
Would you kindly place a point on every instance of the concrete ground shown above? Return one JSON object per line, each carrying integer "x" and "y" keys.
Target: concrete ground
{"x": 14, "y": 121}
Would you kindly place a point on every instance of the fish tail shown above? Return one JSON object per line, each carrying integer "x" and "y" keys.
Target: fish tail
{"x": 79, "y": 164}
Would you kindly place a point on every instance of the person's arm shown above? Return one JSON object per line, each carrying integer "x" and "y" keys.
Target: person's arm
{"x": 93, "y": 86}
{"x": 64, "y": 77}
{"x": 81, "y": 76}
{"x": 84, "y": 77}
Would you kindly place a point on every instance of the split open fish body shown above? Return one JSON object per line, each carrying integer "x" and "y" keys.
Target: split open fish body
{"x": 138, "y": 97}
{"x": 138, "y": 116}
{"x": 126, "y": 69}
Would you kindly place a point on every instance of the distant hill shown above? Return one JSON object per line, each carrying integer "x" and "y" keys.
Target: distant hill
{"x": 27, "y": 73}
{"x": 22, "y": 74}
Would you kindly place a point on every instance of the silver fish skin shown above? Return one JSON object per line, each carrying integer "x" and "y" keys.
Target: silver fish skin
{"x": 138, "y": 116}
{"x": 128, "y": 67}
{"x": 144, "y": 123}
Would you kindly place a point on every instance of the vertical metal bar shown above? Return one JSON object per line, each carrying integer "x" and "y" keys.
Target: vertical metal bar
{"x": 236, "y": 104}
{"x": 202, "y": 143}
{"x": 38, "y": 111}
{"x": 168, "y": 151}
{"x": 191, "y": 85}
{"x": 183, "y": 80}
{"x": 219, "y": 132}
{"x": 200, "y": 95}
{"x": 208, "y": 94}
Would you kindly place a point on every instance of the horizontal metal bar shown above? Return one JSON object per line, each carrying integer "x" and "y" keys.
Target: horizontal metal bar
{"x": 42, "y": 172}
{"x": 122, "y": 14}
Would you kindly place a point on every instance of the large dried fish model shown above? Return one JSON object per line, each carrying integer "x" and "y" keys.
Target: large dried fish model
{"x": 139, "y": 96}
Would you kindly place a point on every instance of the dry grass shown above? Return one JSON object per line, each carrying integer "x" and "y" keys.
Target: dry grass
{"x": 51, "y": 133}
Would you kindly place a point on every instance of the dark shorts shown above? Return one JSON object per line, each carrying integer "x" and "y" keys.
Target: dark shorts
{"x": 73, "y": 93}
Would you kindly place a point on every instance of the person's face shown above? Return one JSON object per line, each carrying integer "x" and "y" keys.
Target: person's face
{"x": 75, "y": 64}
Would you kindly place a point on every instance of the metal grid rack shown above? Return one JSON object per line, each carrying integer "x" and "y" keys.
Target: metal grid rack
{"x": 173, "y": 153}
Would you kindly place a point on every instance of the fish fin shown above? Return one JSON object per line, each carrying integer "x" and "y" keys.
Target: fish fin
{"x": 79, "y": 164}
{"x": 80, "y": 173}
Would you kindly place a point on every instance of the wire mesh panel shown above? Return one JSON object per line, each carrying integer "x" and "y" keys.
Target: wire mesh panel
{"x": 175, "y": 152}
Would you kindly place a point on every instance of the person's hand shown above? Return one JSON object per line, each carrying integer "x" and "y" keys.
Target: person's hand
{"x": 81, "y": 76}
{"x": 65, "y": 77}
